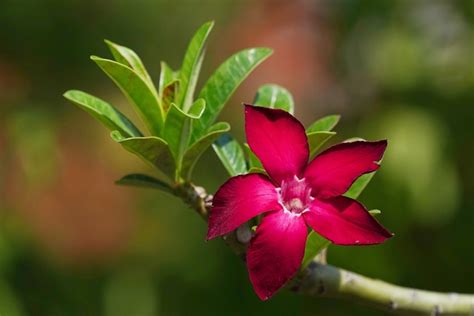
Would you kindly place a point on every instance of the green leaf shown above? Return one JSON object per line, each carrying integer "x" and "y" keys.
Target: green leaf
{"x": 257, "y": 170}
{"x": 140, "y": 93}
{"x": 103, "y": 111}
{"x": 253, "y": 160}
{"x": 317, "y": 139}
{"x": 324, "y": 124}
{"x": 359, "y": 185}
{"x": 375, "y": 212}
{"x": 178, "y": 125}
{"x": 231, "y": 154}
{"x": 314, "y": 244}
{"x": 191, "y": 66}
{"x": 144, "y": 181}
{"x": 167, "y": 75}
{"x": 225, "y": 80}
{"x": 199, "y": 147}
{"x": 128, "y": 57}
{"x": 153, "y": 150}
{"x": 275, "y": 97}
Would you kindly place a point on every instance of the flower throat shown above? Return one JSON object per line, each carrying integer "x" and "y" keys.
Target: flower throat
{"x": 295, "y": 195}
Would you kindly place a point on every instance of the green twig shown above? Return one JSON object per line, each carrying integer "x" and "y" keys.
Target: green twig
{"x": 326, "y": 280}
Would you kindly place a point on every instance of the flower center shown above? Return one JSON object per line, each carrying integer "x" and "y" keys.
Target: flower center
{"x": 295, "y": 196}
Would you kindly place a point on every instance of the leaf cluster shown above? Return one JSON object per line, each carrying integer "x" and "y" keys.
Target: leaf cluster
{"x": 180, "y": 122}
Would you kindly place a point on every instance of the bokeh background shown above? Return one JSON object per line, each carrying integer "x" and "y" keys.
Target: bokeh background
{"x": 73, "y": 243}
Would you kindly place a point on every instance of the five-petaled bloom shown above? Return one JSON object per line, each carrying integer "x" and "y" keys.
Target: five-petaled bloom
{"x": 295, "y": 194}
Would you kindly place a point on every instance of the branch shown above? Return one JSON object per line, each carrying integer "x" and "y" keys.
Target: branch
{"x": 329, "y": 281}
{"x": 323, "y": 280}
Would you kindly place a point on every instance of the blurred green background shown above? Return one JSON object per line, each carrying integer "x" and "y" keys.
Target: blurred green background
{"x": 73, "y": 243}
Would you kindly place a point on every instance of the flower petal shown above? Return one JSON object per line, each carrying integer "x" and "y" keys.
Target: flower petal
{"x": 332, "y": 172}
{"x": 276, "y": 251}
{"x": 345, "y": 221}
{"x": 279, "y": 141}
{"x": 240, "y": 199}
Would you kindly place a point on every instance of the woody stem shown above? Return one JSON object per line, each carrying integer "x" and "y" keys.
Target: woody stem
{"x": 323, "y": 280}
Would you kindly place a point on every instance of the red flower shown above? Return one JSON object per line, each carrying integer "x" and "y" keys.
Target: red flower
{"x": 296, "y": 194}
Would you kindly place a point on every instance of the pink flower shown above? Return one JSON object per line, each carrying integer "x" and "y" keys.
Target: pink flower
{"x": 296, "y": 194}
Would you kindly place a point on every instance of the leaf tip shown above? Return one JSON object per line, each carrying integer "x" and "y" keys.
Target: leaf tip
{"x": 116, "y": 136}
{"x": 375, "y": 212}
{"x": 98, "y": 59}
{"x": 267, "y": 50}
{"x": 119, "y": 182}
{"x": 73, "y": 95}
{"x": 210, "y": 24}
{"x": 109, "y": 42}
{"x": 68, "y": 94}
{"x": 263, "y": 52}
